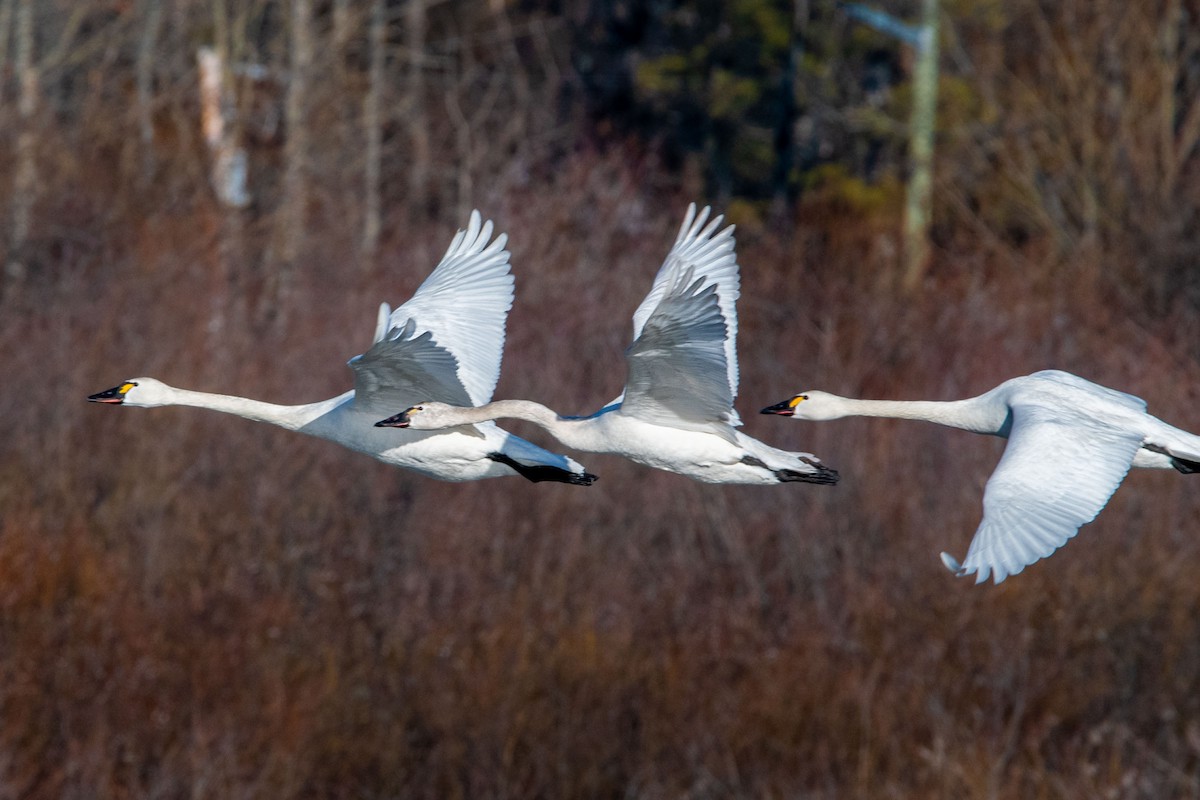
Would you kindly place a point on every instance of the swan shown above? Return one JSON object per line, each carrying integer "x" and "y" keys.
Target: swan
{"x": 445, "y": 342}
{"x": 1070, "y": 444}
{"x": 676, "y": 412}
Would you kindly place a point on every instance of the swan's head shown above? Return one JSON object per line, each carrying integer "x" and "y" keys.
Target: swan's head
{"x": 421, "y": 417}
{"x": 812, "y": 405}
{"x": 138, "y": 392}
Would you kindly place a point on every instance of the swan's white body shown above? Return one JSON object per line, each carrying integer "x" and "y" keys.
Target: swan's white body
{"x": 676, "y": 412}
{"x": 446, "y": 341}
{"x": 1070, "y": 444}
{"x": 716, "y": 456}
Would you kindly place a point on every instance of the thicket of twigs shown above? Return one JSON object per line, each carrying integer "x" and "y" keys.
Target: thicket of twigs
{"x": 193, "y": 604}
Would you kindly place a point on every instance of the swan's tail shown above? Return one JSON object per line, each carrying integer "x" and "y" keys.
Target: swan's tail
{"x": 1180, "y": 446}
{"x": 1186, "y": 466}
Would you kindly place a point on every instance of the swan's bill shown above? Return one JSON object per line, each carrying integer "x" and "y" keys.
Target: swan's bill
{"x": 400, "y": 420}
{"x": 115, "y": 395}
{"x": 785, "y": 409}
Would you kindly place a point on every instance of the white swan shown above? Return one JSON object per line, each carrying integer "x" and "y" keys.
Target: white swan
{"x": 1070, "y": 444}
{"x": 445, "y": 342}
{"x": 676, "y": 412}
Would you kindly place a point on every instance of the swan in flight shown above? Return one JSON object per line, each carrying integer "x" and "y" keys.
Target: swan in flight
{"x": 676, "y": 412}
{"x": 1070, "y": 444}
{"x": 445, "y": 342}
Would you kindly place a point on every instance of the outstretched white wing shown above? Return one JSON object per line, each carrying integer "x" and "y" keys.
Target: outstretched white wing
{"x": 677, "y": 368}
{"x": 711, "y": 255}
{"x": 1056, "y": 474}
{"x": 463, "y": 306}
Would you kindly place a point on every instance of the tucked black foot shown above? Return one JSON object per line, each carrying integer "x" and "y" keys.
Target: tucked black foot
{"x": 823, "y": 475}
{"x": 1185, "y": 466}
{"x": 543, "y": 472}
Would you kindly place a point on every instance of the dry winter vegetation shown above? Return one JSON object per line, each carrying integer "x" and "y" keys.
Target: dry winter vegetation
{"x": 192, "y": 605}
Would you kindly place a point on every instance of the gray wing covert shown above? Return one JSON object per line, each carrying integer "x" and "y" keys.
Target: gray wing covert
{"x": 678, "y": 374}
{"x": 405, "y": 368}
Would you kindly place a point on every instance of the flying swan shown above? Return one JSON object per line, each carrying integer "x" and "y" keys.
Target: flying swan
{"x": 445, "y": 342}
{"x": 676, "y": 412}
{"x": 1070, "y": 444}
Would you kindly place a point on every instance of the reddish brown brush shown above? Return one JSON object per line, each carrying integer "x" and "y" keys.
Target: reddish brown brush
{"x": 191, "y": 604}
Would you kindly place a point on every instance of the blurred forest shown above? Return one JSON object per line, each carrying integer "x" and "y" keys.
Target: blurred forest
{"x": 220, "y": 193}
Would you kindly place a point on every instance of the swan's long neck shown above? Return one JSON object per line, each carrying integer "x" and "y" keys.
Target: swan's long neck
{"x": 973, "y": 414}
{"x": 290, "y": 417}
{"x": 571, "y": 432}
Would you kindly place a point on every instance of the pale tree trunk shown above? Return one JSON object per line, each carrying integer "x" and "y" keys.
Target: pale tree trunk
{"x": 218, "y": 114}
{"x": 372, "y": 122}
{"x": 920, "y": 184}
{"x": 146, "y": 58}
{"x": 228, "y": 170}
{"x": 25, "y": 169}
{"x": 416, "y": 23}
{"x": 228, "y": 174}
{"x": 290, "y": 233}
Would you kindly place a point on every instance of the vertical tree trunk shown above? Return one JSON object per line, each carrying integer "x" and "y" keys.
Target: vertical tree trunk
{"x": 416, "y": 22}
{"x": 218, "y": 115}
{"x": 372, "y": 122}
{"x": 785, "y": 140}
{"x": 25, "y": 169}
{"x": 228, "y": 171}
{"x": 920, "y": 182}
{"x": 227, "y": 174}
{"x": 146, "y": 58}
{"x": 342, "y": 25}
{"x": 6, "y": 18}
{"x": 290, "y": 233}
{"x": 463, "y": 140}
{"x": 515, "y": 137}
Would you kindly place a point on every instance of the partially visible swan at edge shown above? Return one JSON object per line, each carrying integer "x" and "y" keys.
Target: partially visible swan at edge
{"x": 676, "y": 412}
{"x": 445, "y": 342}
{"x": 1070, "y": 444}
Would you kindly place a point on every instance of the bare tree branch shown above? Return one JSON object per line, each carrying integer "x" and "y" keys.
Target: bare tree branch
{"x": 374, "y": 132}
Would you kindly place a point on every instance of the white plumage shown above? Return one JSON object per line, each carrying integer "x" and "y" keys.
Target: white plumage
{"x": 676, "y": 412}
{"x": 445, "y": 342}
{"x": 1070, "y": 444}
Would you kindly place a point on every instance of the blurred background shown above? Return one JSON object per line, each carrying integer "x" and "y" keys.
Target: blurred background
{"x": 219, "y": 194}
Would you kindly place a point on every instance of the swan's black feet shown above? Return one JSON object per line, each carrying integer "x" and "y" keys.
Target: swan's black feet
{"x": 564, "y": 476}
{"x": 1185, "y": 466}
{"x": 823, "y": 475}
{"x": 542, "y": 472}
